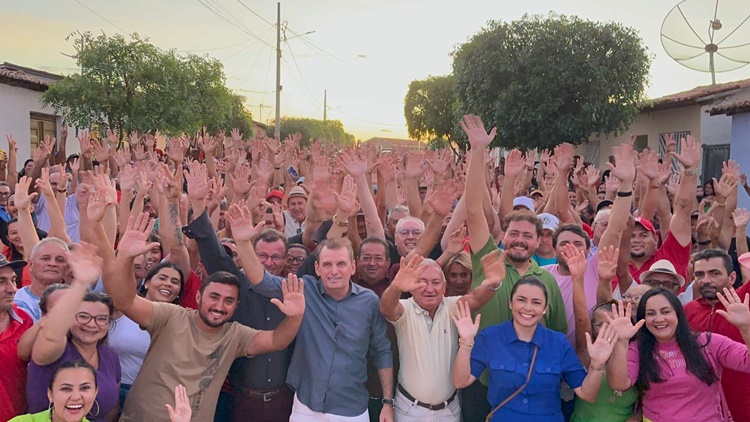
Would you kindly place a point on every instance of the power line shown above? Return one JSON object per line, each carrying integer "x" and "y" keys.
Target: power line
{"x": 237, "y": 25}
{"x": 302, "y": 77}
{"x": 259, "y": 16}
{"x": 102, "y": 17}
{"x": 212, "y": 49}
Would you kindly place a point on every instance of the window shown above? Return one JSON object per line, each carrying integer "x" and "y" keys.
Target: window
{"x": 42, "y": 125}
{"x": 641, "y": 142}
{"x": 678, "y": 137}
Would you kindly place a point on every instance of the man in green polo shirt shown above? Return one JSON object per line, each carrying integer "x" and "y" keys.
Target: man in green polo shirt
{"x": 522, "y": 230}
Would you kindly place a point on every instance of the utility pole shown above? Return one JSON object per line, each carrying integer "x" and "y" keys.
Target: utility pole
{"x": 277, "y": 132}
{"x": 325, "y": 104}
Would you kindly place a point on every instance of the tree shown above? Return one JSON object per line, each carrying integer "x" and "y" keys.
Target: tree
{"x": 133, "y": 85}
{"x": 546, "y": 80}
{"x": 428, "y": 107}
{"x": 329, "y": 130}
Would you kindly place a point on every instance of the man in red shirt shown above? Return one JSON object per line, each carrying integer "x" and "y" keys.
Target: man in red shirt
{"x": 677, "y": 244}
{"x": 714, "y": 272}
{"x": 13, "y": 323}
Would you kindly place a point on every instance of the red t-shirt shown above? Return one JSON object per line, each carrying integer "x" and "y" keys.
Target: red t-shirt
{"x": 670, "y": 250}
{"x": 701, "y": 315}
{"x": 189, "y": 290}
{"x": 13, "y": 369}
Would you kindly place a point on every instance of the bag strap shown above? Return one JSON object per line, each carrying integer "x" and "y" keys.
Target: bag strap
{"x": 517, "y": 392}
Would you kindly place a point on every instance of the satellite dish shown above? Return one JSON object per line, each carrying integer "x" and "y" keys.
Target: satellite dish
{"x": 708, "y": 35}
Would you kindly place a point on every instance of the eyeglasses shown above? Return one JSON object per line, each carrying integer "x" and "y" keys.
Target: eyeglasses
{"x": 275, "y": 258}
{"x": 414, "y": 232}
{"x": 298, "y": 259}
{"x": 4, "y": 193}
{"x": 633, "y": 298}
{"x": 670, "y": 285}
{"x": 84, "y": 318}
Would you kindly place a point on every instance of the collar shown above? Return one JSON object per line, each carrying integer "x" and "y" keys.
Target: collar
{"x": 14, "y": 315}
{"x": 534, "y": 269}
{"x": 421, "y": 311}
{"x": 354, "y": 289}
{"x": 511, "y": 336}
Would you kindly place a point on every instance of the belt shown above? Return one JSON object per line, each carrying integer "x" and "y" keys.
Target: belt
{"x": 427, "y": 406}
{"x": 266, "y": 395}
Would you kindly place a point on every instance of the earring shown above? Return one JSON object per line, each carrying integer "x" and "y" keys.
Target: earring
{"x": 97, "y": 409}
{"x": 50, "y": 408}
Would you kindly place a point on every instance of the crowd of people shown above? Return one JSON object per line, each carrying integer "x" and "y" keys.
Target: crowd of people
{"x": 224, "y": 278}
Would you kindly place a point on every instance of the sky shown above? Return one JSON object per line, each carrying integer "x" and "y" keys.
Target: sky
{"x": 363, "y": 53}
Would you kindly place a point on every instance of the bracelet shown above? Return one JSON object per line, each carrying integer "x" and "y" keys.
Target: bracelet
{"x": 692, "y": 172}
{"x": 624, "y": 194}
{"x": 716, "y": 204}
{"x": 494, "y": 289}
{"x": 387, "y": 401}
{"x": 594, "y": 368}
{"x": 469, "y": 345}
{"x": 61, "y": 190}
{"x": 704, "y": 243}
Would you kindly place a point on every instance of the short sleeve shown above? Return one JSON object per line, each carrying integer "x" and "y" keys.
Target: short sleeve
{"x": 633, "y": 362}
{"x": 676, "y": 253}
{"x": 246, "y": 336}
{"x": 161, "y": 314}
{"x": 476, "y": 261}
{"x": 572, "y": 370}
{"x": 408, "y": 309}
{"x": 480, "y": 354}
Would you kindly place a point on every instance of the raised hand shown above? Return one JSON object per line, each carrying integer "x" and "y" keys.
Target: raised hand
{"x": 690, "y": 153}
{"x": 97, "y": 205}
{"x": 181, "y": 412}
{"x": 725, "y": 185}
{"x": 347, "y": 199}
{"x": 467, "y": 329}
{"x": 241, "y": 180}
{"x": 134, "y": 241}
{"x": 743, "y": 179}
{"x": 352, "y": 164}
{"x": 625, "y": 159}
{"x": 737, "y": 311}
{"x": 85, "y": 263}
{"x": 207, "y": 144}
{"x": 293, "y": 290}
{"x": 621, "y": 322}
{"x": 493, "y": 265}
{"x": 607, "y": 264}
{"x": 241, "y": 221}
{"x": 514, "y": 164}
{"x": 101, "y": 151}
{"x": 648, "y": 164}
{"x": 12, "y": 144}
{"x": 601, "y": 349}
{"x": 741, "y": 217}
{"x": 674, "y": 184}
{"x": 456, "y": 241}
{"x": 197, "y": 185}
{"x": 413, "y": 165}
{"x": 237, "y": 136}
{"x": 127, "y": 178}
{"x": 42, "y": 183}
{"x": 575, "y": 260}
{"x": 22, "y": 197}
{"x": 176, "y": 150}
{"x": 407, "y": 278}
{"x": 475, "y": 131}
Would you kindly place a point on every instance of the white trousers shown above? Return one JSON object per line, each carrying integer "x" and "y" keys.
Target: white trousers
{"x": 302, "y": 413}
{"x": 407, "y": 411}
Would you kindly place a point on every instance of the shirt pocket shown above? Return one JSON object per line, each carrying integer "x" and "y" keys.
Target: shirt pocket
{"x": 546, "y": 377}
{"x": 505, "y": 374}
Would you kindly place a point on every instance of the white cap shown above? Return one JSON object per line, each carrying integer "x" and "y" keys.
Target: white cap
{"x": 524, "y": 201}
{"x": 549, "y": 221}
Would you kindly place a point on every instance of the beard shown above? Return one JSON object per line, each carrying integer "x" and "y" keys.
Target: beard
{"x": 210, "y": 323}
{"x": 518, "y": 257}
{"x": 637, "y": 255}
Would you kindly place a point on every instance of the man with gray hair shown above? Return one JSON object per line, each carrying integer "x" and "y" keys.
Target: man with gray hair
{"x": 408, "y": 232}
{"x": 48, "y": 264}
{"x": 426, "y": 337}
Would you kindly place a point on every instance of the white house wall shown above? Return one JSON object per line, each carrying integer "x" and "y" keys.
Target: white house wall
{"x": 16, "y": 104}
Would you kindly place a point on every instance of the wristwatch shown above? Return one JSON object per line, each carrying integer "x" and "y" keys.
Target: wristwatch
{"x": 388, "y": 401}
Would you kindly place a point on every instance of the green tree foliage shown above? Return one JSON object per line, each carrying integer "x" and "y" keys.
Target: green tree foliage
{"x": 329, "y": 130}
{"x": 429, "y": 107}
{"x": 543, "y": 80}
{"x": 129, "y": 84}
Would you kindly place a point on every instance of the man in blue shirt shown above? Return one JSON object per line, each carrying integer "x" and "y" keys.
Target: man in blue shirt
{"x": 342, "y": 324}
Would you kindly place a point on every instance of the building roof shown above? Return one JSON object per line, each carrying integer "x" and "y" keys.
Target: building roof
{"x": 736, "y": 103}
{"x": 393, "y": 142}
{"x": 697, "y": 95}
{"x": 26, "y": 77}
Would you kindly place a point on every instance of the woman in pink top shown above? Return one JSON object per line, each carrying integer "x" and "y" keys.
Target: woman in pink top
{"x": 678, "y": 372}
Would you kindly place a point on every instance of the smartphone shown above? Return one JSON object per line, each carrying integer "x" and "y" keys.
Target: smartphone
{"x": 293, "y": 173}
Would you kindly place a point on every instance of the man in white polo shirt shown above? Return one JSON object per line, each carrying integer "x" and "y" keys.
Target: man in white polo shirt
{"x": 427, "y": 338}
